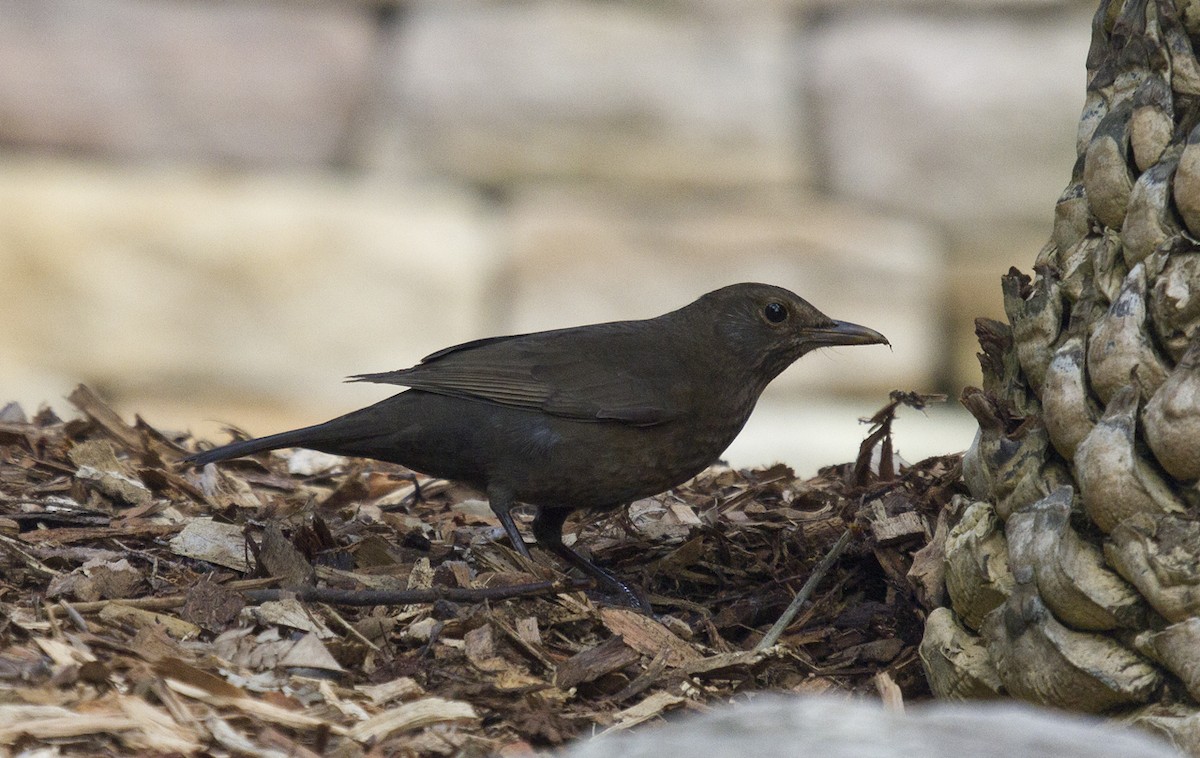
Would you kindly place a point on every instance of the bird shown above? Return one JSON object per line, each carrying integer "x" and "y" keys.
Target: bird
{"x": 588, "y": 417}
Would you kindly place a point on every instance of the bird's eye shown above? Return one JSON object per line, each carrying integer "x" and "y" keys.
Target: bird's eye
{"x": 775, "y": 312}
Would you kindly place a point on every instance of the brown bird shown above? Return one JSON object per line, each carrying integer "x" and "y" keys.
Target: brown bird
{"x": 588, "y": 417}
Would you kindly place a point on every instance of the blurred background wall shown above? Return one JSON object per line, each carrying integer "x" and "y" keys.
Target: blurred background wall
{"x": 213, "y": 211}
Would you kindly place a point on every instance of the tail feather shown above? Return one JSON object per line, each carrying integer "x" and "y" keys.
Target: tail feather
{"x": 369, "y": 432}
{"x": 295, "y": 438}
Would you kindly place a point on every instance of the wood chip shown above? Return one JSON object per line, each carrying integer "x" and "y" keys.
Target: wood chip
{"x": 214, "y": 542}
{"x": 901, "y": 527}
{"x": 94, "y": 408}
{"x": 647, "y": 636}
{"x": 646, "y": 709}
{"x": 255, "y": 709}
{"x": 72, "y": 725}
{"x": 410, "y": 716}
{"x": 310, "y": 652}
{"x": 283, "y": 561}
{"x": 294, "y": 614}
{"x": 684, "y": 513}
{"x": 92, "y": 534}
{"x": 889, "y": 692}
{"x": 400, "y": 688}
{"x": 591, "y": 664}
{"x": 527, "y": 630}
{"x": 156, "y": 731}
{"x": 138, "y": 618}
{"x": 63, "y": 654}
{"x": 723, "y": 662}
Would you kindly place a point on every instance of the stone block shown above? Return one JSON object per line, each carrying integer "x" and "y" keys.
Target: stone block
{"x": 170, "y": 287}
{"x": 242, "y": 83}
{"x": 960, "y": 118}
{"x": 493, "y": 92}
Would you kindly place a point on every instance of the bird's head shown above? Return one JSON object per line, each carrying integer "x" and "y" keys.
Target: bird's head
{"x": 768, "y": 328}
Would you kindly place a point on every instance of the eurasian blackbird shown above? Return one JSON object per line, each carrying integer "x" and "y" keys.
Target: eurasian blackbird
{"x": 587, "y": 417}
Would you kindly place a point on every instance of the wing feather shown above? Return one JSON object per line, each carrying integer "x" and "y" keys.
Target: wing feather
{"x": 606, "y": 372}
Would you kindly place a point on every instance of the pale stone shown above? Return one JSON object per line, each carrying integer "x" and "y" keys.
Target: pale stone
{"x": 189, "y": 286}
{"x": 249, "y": 82}
{"x": 663, "y": 93}
{"x": 776, "y": 726}
{"x": 959, "y": 118}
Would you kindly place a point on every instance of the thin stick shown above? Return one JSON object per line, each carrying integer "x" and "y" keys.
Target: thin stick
{"x": 349, "y": 627}
{"x": 776, "y": 631}
{"x": 33, "y": 564}
{"x": 165, "y": 602}
{"x": 432, "y": 595}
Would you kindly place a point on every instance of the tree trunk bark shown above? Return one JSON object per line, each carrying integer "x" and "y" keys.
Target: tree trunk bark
{"x": 1073, "y": 571}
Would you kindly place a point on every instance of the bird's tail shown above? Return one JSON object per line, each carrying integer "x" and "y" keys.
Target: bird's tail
{"x": 368, "y": 432}
{"x": 296, "y": 438}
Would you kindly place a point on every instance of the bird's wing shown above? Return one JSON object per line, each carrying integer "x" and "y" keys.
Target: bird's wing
{"x": 607, "y": 372}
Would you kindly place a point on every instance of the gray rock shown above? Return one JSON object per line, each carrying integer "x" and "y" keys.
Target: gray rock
{"x": 824, "y": 727}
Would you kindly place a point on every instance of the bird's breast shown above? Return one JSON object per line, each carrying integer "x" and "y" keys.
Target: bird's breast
{"x": 563, "y": 462}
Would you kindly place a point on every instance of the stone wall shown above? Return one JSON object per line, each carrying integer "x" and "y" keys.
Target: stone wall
{"x": 214, "y": 210}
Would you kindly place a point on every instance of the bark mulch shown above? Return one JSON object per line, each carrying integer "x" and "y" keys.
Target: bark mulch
{"x": 303, "y": 604}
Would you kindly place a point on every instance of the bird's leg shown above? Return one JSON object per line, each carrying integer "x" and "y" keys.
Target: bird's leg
{"x": 501, "y": 501}
{"x": 547, "y": 528}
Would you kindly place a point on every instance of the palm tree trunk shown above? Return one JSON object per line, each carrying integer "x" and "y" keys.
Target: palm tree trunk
{"x": 1073, "y": 571}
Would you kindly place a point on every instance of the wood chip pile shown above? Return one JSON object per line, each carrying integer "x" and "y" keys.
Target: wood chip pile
{"x": 148, "y": 607}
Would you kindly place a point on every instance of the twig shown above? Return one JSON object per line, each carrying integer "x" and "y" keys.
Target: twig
{"x": 164, "y": 602}
{"x": 776, "y": 631}
{"x": 33, "y": 564}
{"x": 349, "y": 627}
{"x": 648, "y": 677}
{"x": 250, "y": 591}
{"x": 523, "y": 645}
{"x": 431, "y": 595}
{"x": 80, "y": 623}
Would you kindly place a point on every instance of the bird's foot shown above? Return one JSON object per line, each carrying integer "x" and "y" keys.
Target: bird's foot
{"x": 616, "y": 592}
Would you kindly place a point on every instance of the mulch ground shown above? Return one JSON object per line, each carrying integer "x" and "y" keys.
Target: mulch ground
{"x": 302, "y": 604}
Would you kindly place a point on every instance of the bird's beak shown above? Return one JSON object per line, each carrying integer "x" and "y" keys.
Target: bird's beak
{"x": 843, "y": 333}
